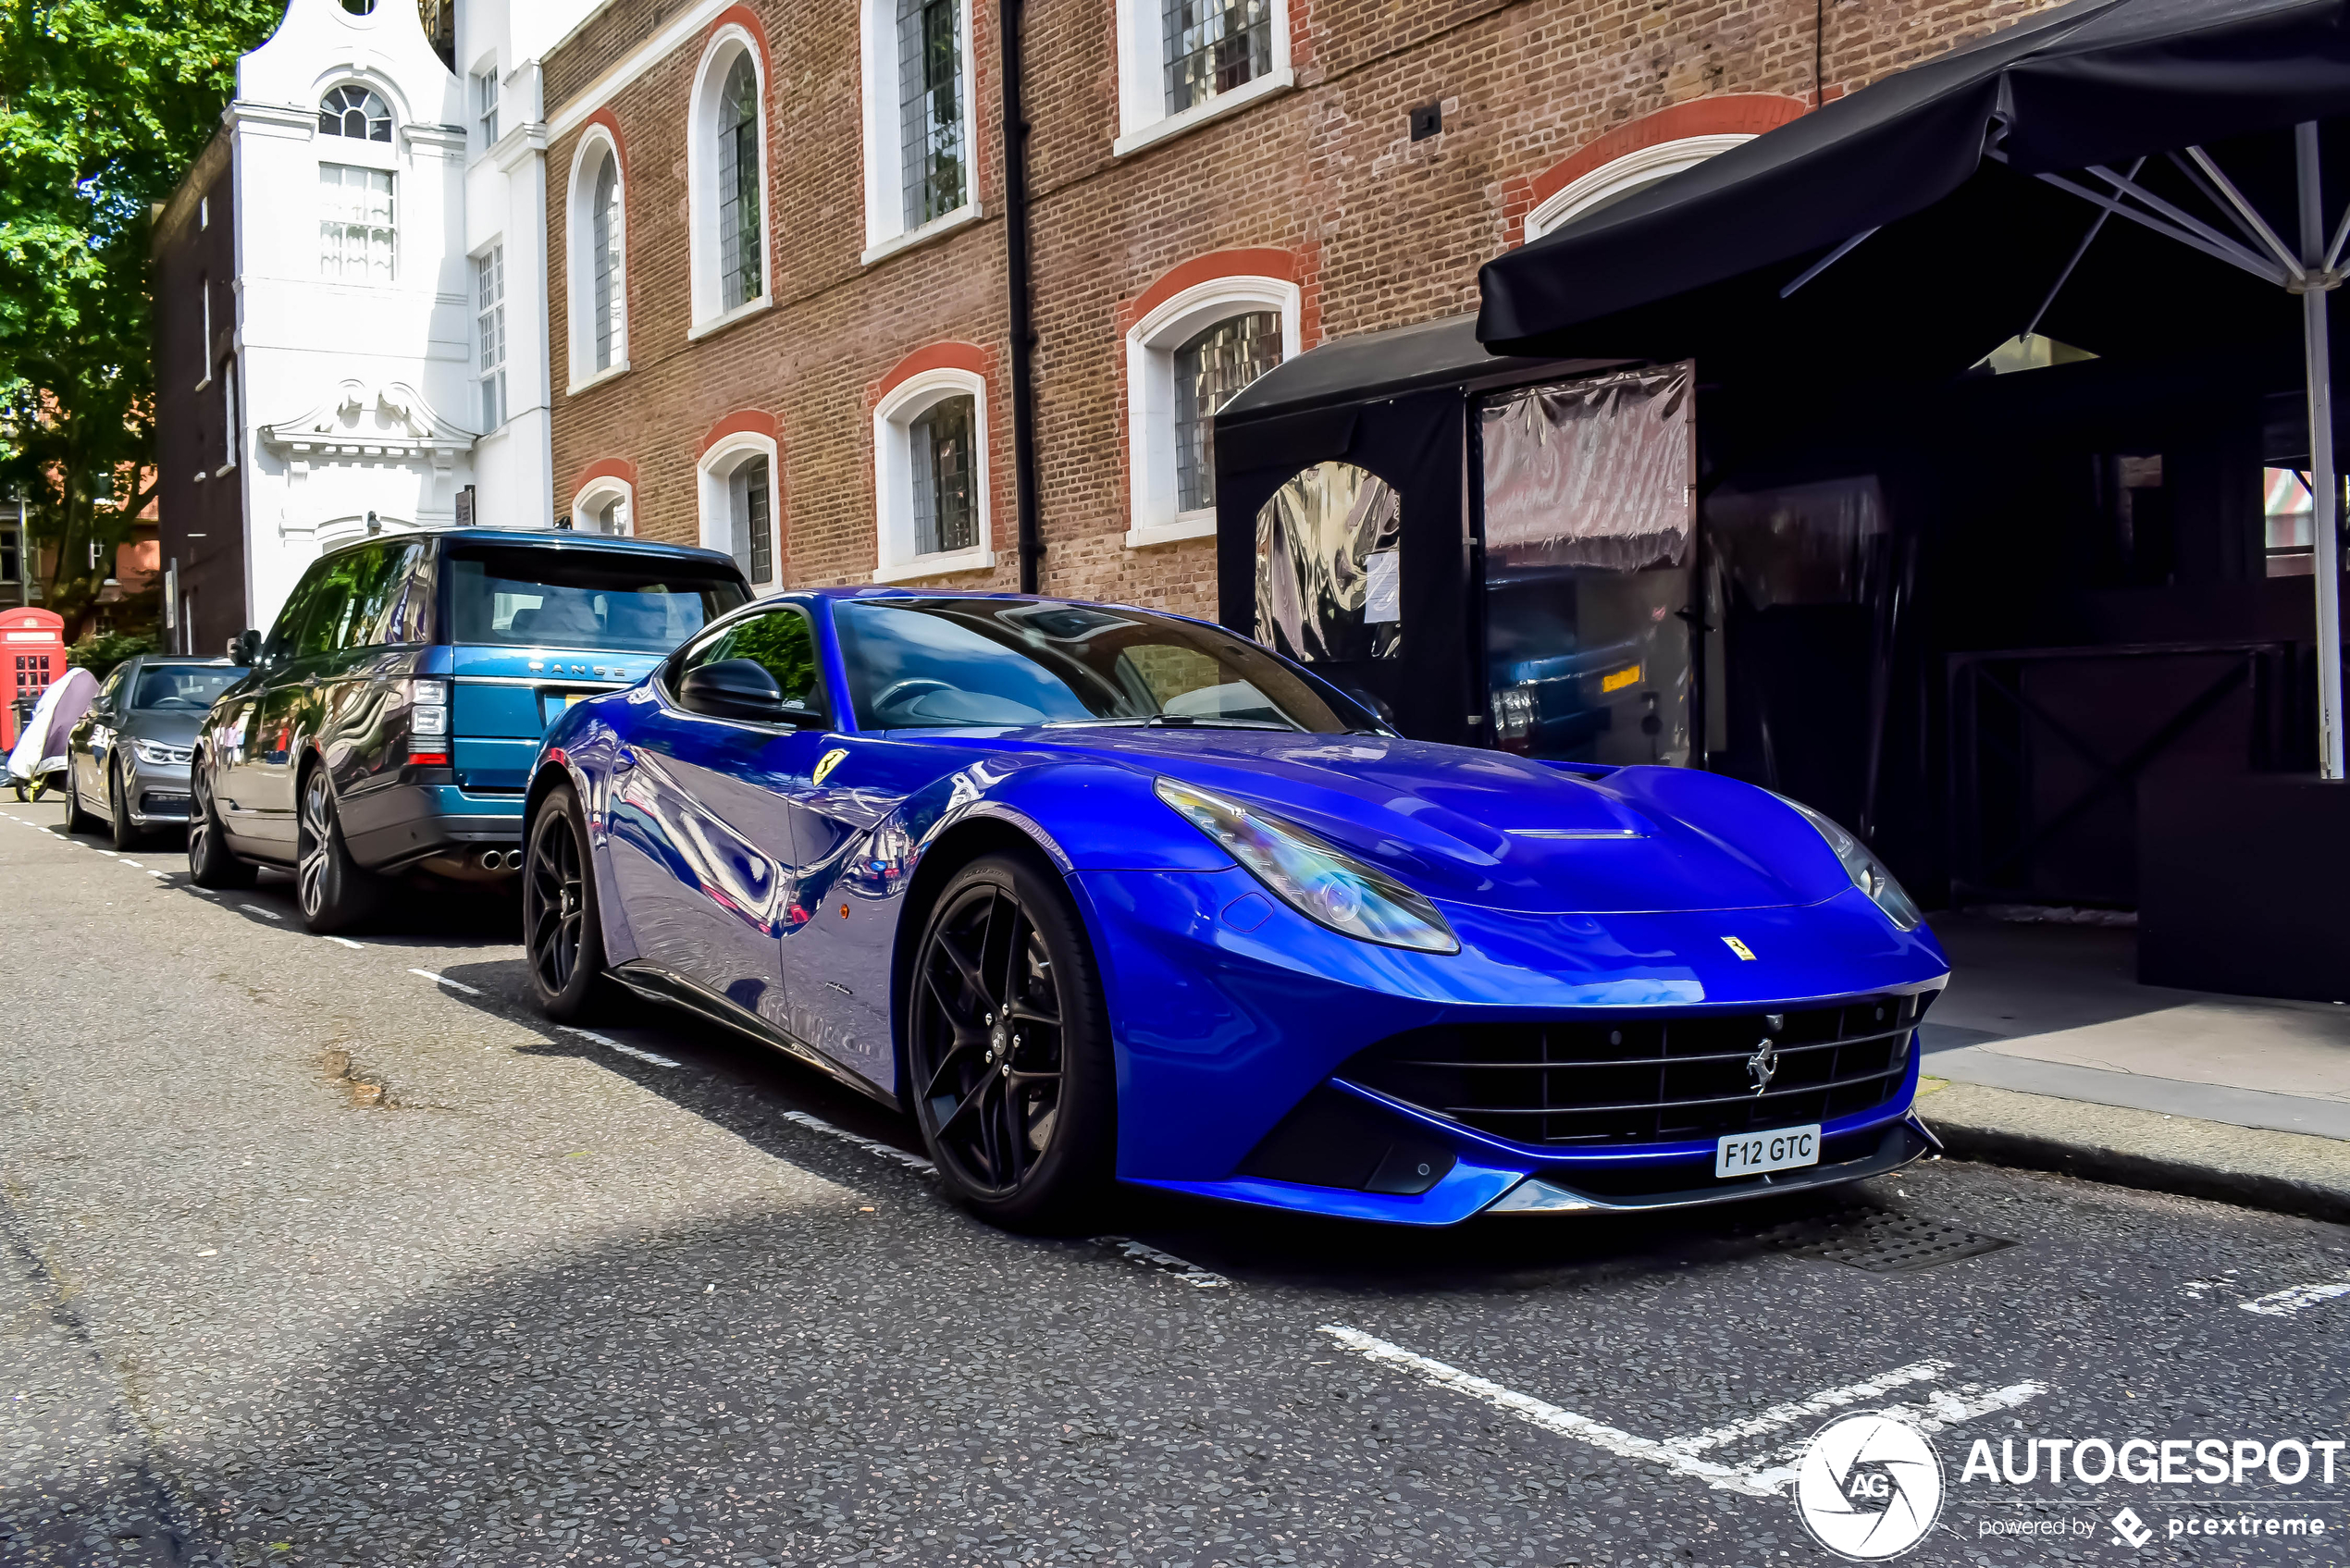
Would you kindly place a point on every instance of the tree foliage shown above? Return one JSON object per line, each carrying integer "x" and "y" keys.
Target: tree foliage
{"x": 103, "y": 104}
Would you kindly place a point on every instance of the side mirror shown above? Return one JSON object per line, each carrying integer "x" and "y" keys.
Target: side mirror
{"x": 244, "y": 648}
{"x": 734, "y": 688}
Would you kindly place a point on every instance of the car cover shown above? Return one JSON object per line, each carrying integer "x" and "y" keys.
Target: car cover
{"x": 41, "y": 747}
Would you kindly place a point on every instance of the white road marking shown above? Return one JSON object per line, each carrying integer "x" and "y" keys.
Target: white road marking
{"x": 444, "y": 980}
{"x": 607, "y": 1042}
{"x": 2285, "y": 1302}
{"x": 871, "y": 1147}
{"x": 346, "y": 942}
{"x": 1780, "y": 1416}
{"x": 269, "y": 914}
{"x": 1189, "y": 1273}
{"x": 1758, "y": 1478}
{"x": 132, "y": 864}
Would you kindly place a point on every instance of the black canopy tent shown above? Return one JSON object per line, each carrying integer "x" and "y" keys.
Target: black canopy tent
{"x": 2143, "y": 178}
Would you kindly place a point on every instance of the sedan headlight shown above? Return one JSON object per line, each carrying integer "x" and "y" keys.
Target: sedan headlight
{"x": 1313, "y": 876}
{"x": 155, "y": 754}
{"x": 1868, "y": 873}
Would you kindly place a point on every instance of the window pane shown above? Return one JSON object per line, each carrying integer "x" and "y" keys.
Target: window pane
{"x": 353, "y": 112}
{"x": 929, "y": 68}
{"x": 605, "y": 222}
{"x": 1209, "y": 370}
{"x": 588, "y": 598}
{"x": 489, "y": 287}
{"x": 357, "y": 239}
{"x": 1214, "y": 46}
{"x": 738, "y": 259}
{"x": 945, "y": 483}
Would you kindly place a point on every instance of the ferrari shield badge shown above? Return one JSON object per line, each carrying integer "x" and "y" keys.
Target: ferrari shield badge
{"x": 1740, "y": 948}
{"x": 827, "y": 762}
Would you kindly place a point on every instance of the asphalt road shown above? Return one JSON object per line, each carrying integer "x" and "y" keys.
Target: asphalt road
{"x": 313, "y": 1258}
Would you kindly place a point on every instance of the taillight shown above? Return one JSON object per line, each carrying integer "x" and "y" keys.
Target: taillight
{"x": 428, "y": 723}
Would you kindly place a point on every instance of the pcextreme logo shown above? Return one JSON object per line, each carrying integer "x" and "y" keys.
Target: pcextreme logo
{"x": 1869, "y": 1487}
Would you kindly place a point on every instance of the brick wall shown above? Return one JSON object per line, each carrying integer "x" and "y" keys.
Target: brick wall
{"x": 1384, "y": 230}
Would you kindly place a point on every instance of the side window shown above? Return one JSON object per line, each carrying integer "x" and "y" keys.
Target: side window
{"x": 287, "y": 629}
{"x": 111, "y": 690}
{"x": 780, "y": 640}
{"x": 329, "y": 613}
{"x": 377, "y": 603}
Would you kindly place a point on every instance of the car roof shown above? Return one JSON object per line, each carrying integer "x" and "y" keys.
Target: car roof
{"x": 547, "y": 538}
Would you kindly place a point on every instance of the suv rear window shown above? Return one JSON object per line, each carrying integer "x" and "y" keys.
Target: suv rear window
{"x": 582, "y": 598}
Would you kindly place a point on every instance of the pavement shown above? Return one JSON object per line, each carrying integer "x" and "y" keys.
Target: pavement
{"x": 329, "y": 1250}
{"x": 2046, "y": 1052}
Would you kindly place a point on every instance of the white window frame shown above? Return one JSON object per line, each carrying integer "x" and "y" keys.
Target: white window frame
{"x": 1142, "y": 118}
{"x": 886, "y": 231}
{"x": 381, "y": 163}
{"x": 1150, "y": 396}
{"x": 714, "y": 494}
{"x": 893, "y": 477}
{"x": 606, "y": 489}
{"x": 701, "y": 184}
{"x": 580, "y": 249}
{"x": 494, "y": 256}
{"x": 488, "y": 96}
{"x": 231, "y": 430}
{"x": 1635, "y": 171}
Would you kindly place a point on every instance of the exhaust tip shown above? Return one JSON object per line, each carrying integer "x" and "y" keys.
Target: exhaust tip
{"x": 501, "y": 859}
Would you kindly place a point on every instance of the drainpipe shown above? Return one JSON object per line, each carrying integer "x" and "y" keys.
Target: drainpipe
{"x": 1015, "y": 267}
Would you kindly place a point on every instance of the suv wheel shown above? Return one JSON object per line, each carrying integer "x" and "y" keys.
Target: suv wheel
{"x": 209, "y": 862}
{"x": 337, "y": 893}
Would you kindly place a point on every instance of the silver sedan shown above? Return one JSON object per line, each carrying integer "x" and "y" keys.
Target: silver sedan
{"x": 127, "y": 760}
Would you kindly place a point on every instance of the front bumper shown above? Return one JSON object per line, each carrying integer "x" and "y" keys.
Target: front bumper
{"x": 155, "y": 794}
{"x": 1228, "y": 1015}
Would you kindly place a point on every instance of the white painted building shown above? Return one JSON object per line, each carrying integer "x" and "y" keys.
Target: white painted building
{"x": 384, "y": 363}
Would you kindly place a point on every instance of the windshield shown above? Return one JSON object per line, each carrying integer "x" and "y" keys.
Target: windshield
{"x": 941, "y": 662}
{"x": 182, "y": 688}
{"x": 584, "y": 599}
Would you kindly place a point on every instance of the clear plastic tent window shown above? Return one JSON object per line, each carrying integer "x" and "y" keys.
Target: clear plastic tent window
{"x": 1597, "y": 472}
{"x": 1326, "y": 583}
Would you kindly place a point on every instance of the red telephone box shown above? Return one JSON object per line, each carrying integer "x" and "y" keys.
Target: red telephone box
{"x": 33, "y": 654}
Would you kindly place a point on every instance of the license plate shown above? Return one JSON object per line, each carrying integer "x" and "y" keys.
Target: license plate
{"x": 1752, "y": 1153}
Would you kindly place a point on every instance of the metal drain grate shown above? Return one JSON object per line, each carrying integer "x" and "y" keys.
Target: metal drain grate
{"x": 1897, "y": 1243}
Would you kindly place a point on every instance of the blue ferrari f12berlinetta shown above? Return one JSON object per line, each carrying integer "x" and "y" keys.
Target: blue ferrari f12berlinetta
{"x": 1102, "y": 894}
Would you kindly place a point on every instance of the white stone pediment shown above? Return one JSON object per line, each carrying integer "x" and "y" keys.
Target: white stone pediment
{"x": 359, "y": 423}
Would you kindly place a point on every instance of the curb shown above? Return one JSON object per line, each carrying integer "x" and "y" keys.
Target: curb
{"x": 2283, "y": 1172}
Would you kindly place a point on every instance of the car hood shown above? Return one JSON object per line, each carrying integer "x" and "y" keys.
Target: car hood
{"x": 171, "y": 729}
{"x": 1488, "y": 828}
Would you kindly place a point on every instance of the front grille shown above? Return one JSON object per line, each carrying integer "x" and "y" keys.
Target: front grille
{"x": 1649, "y": 1079}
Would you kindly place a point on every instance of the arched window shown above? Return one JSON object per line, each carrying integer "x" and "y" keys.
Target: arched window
{"x": 930, "y": 71}
{"x": 930, "y": 479}
{"x": 1627, "y": 175}
{"x": 1186, "y": 358}
{"x": 738, "y": 184}
{"x": 597, "y": 259}
{"x": 352, "y": 111}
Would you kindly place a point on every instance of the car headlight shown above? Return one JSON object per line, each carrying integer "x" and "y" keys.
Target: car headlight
{"x": 1868, "y": 873}
{"x": 155, "y": 754}
{"x": 1313, "y": 876}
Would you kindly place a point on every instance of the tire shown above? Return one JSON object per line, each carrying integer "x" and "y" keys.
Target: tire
{"x": 1009, "y": 1069}
{"x": 77, "y": 820}
{"x": 562, "y": 932}
{"x": 127, "y": 835}
{"x": 210, "y": 864}
{"x": 336, "y": 893}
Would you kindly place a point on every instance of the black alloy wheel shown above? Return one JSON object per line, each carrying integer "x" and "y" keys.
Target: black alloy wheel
{"x": 561, "y": 927}
{"x": 126, "y": 833}
{"x": 336, "y": 892}
{"x": 1008, "y": 1048}
{"x": 209, "y": 862}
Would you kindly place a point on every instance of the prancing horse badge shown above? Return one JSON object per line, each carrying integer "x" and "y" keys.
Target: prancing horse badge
{"x": 1740, "y": 948}
{"x": 827, "y": 762}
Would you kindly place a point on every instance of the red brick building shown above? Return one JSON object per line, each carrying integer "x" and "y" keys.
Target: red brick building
{"x": 778, "y": 254}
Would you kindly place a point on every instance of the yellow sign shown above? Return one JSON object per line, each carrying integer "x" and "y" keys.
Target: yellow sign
{"x": 827, "y": 762}
{"x": 1616, "y": 679}
{"x": 1740, "y": 948}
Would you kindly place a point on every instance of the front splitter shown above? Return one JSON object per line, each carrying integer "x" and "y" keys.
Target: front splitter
{"x": 1904, "y": 1143}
